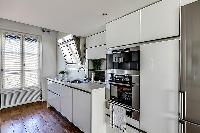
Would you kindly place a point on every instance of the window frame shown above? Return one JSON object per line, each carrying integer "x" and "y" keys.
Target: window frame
{"x": 23, "y": 35}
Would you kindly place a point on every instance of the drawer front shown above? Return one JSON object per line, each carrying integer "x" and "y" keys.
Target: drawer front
{"x": 54, "y": 100}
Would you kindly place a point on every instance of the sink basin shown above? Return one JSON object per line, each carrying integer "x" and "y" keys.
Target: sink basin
{"x": 79, "y": 81}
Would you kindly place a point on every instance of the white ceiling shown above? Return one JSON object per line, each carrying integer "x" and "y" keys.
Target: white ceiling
{"x": 79, "y": 17}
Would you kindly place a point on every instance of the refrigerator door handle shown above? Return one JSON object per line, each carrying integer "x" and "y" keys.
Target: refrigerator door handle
{"x": 182, "y": 106}
{"x": 182, "y": 126}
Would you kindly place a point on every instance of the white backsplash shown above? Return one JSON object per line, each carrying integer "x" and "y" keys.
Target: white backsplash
{"x": 72, "y": 72}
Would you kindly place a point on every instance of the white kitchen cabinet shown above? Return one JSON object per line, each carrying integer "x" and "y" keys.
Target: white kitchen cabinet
{"x": 56, "y": 88}
{"x": 96, "y": 52}
{"x": 66, "y": 102}
{"x": 159, "y": 74}
{"x": 82, "y": 110}
{"x": 96, "y": 40}
{"x": 160, "y": 20}
{"x": 54, "y": 100}
{"x": 50, "y": 97}
{"x": 50, "y": 94}
{"x": 53, "y": 95}
{"x": 57, "y": 105}
{"x": 79, "y": 106}
{"x": 123, "y": 31}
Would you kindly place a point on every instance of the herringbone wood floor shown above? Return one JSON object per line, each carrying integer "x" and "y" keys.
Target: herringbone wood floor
{"x": 34, "y": 118}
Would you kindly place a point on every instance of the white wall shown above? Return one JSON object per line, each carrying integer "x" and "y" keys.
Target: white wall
{"x": 60, "y": 58}
{"x": 185, "y": 2}
{"x": 72, "y": 69}
{"x": 74, "y": 72}
{"x": 48, "y": 47}
{"x": 60, "y": 61}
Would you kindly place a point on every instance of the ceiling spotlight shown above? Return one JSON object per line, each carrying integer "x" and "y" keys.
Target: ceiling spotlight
{"x": 105, "y": 14}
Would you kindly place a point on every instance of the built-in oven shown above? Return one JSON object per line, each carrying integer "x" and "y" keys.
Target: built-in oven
{"x": 124, "y": 89}
{"x": 123, "y": 79}
{"x": 121, "y": 93}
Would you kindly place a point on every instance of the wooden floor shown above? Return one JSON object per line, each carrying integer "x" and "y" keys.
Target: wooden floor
{"x": 34, "y": 118}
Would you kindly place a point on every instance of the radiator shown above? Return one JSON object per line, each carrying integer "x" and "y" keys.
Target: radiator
{"x": 14, "y": 97}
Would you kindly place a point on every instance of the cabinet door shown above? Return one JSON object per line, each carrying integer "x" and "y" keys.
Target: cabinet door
{"x": 57, "y": 88}
{"x": 53, "y": 95}
{"x": 66, "y": 102}
{"x": 159, "y": 74}
{"x": 123, "y": 31}
{"x": 96, "y": 52}
{"x": 82, "y": 110}
{"x": 50, "y": 85}
{"x": 54, "y": 100}
{"x": 160, "y": 20}
{"x": 96, "y": 40}
{"x": 50, "y": 97}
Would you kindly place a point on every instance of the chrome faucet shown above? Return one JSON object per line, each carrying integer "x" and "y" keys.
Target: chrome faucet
{"x": 83, "y": 70}
{"x": 80, "y": 69}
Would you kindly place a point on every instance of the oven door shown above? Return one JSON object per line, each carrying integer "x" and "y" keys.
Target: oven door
{"x": 128, "y": 96}
{"x": 121, "y": 93}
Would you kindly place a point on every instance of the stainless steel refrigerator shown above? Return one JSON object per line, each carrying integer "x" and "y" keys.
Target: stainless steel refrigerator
{"x": 190, "y": 69}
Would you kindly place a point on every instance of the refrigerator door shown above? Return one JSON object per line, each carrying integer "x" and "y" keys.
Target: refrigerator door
{"x": 191, "y": 128}
{"x": 190, "y": 63}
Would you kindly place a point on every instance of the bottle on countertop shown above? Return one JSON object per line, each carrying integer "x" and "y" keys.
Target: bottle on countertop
{"x": 92, "y": 79}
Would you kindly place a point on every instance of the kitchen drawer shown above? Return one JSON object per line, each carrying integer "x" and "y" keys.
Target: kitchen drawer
{"x": 54, "y": 100}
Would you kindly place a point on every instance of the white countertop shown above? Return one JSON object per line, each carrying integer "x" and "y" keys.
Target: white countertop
{"x": 87, "y": 87}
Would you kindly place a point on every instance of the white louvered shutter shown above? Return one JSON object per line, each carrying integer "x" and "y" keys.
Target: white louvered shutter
{"x": 31, "y": 48}
{"x": 11, "y": 61}
{"x": 20, "y": 61}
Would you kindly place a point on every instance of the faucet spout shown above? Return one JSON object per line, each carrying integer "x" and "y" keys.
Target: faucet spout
{"x": 81, "y": 68}
{"x": 84, "y": 71}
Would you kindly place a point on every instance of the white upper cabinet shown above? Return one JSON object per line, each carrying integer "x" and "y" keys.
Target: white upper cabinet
{"x": 96, "y": 52}
{"x": 123, "y": 31}
{"x": 160, "y": 20}
{"x": 96, "y": 40}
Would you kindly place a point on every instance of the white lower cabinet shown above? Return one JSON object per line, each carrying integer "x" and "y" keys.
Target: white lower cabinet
{"x": 53, "y": 95}
{"x": 73, "y": 104}
{"x": 54, "y": 100}
{"x": 66, "y": 102}
{"x": 82, "y": 110}
{"x": 50, "y": 97}
{"x": 79, "y": 106}
{"x": 57, "y": 105}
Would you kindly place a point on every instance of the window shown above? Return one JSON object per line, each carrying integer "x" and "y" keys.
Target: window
{"x": 20, "y": 61}
{"x": 11, "y": 61}
{"x": 69, "y": 50}
{"x": 31, "y": 61}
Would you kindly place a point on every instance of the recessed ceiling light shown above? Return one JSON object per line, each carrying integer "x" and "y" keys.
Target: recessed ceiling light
{"x": 104, "y": 14}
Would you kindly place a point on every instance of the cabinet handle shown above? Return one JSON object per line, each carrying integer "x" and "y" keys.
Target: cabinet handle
{"x": 53, "y": 92}
{"x": 182, "y": 106}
